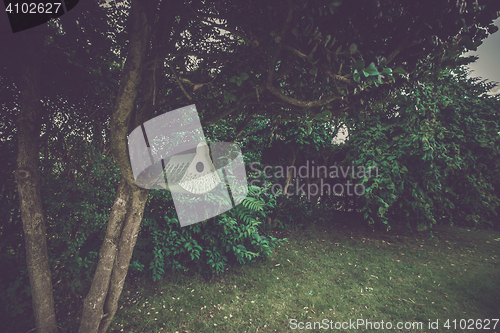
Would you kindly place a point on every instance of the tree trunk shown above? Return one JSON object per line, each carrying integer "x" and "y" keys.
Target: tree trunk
{"x": 28, "y": 186}
{"x": 126, "y": 214}
{"x": 93, "y": 311}
{"x": 124, "y": 254}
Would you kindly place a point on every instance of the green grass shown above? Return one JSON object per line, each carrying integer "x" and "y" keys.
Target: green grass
{"x": 331, "y": 271}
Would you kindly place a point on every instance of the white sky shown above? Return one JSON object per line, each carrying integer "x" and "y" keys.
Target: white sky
{"x": 487, "y": 66}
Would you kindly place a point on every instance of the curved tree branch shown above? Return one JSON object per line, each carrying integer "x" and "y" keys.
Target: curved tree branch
{"x": 297, "y": 102}
{"x": 179, "y": 82}
{"x": 340, "y": 78}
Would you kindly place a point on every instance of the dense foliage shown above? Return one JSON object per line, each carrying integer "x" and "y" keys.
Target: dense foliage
{"x": 437, "y": 146}
{"x": 208, "y": 247}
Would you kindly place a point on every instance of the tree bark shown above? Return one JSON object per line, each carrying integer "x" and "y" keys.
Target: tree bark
{"x": 124, "y": 254}
{"x": 126, "y": 214}
{"x": 93, "y": 311}
{"x": 28, "y": 186}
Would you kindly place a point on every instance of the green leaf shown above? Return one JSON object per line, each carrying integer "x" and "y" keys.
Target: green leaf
{"x": 327, "y": 39}
{"x": 359, "y": 65}
{"x": 372, "y": 70}
{"x": 244, "y": 76}
{"x": 399, "y": 70}
{"x": 334, "y": 40}
{"x": 353, "y": 48}
{"x": 386, "y": 71}
{"x": 229, "y": 97}
{"x": 422, "y": 227}
{"x": 309, "y": 127}
{"x": 356, "y": 76}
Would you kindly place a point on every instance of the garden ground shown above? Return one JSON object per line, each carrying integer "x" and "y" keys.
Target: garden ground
{"x": 333, "y": 271}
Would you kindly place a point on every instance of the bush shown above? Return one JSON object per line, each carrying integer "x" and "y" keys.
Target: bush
{"x": 234, "y": 236}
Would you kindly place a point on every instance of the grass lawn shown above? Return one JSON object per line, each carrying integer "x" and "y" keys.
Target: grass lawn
{"x": 335, "y": 273}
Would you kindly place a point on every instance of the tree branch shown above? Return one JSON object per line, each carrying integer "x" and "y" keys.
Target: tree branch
{"x": 297, "y": 52}
{"x": 297, "y": 102}
{"x": 340, "y": 78}
{"x": 126, "y": 98}
{"x": 179, "y": 82}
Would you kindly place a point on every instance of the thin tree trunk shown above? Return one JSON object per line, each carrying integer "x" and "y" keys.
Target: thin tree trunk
{"x": 125, "y": 249}
{"x": 126, "y": 214}
{"x": 28, "y": 186}
{"x": 93, "y": 304}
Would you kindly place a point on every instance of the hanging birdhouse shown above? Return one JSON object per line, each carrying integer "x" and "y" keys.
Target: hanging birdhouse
{"x": 192, "y": 173}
